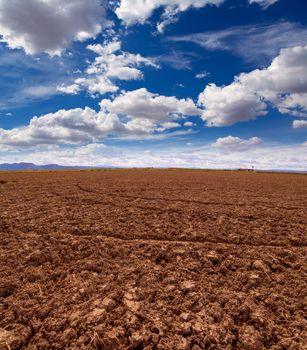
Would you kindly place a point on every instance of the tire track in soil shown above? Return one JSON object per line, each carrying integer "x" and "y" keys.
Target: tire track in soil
{"x": 187, "y": 200}
{"x": 177, "y": 241}
{"x": 202, "y": 242}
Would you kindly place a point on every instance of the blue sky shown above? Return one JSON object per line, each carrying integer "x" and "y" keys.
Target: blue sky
{"x": 166, "y": 83}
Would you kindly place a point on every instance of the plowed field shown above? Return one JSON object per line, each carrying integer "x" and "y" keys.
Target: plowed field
{"x": 153, "y": 259}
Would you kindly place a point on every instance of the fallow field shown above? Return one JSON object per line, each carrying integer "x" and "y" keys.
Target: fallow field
{"x": 153, "y": 259}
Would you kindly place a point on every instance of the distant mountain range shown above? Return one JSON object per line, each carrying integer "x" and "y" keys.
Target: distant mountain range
{"x": 32, "y": 166}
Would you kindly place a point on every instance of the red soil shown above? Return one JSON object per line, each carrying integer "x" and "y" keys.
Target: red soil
{"x": 152, "y": 259}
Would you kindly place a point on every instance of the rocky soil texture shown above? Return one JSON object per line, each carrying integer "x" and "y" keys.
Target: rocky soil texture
{"x": 152, "y": 259}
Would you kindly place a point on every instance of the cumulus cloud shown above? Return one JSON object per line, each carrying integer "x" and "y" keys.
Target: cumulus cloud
{"x": 114, "y": 63}
{"x": 283, "y": 84}
{"x": 94, "y": 84}
{"x": 111, "y": 64}
{"x": 72, "y": 89}
{"x": 230, "y": 104}
{"x": 138, "y": 11}
{"x": 65, "y": 126}
{"x": 300, "y": 124}
{"x": 136, "y": 114}
{"x": 263, "y": 3}
{"x": 231, "y": 143}
{"x": 49, "y": 25}
{"x": 255, "y": 43}
{"x": 142, "y": 104}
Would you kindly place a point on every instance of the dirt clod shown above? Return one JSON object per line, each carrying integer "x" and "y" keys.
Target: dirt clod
{"x": 109, "y": 304}
{"x": 250, "y": 338}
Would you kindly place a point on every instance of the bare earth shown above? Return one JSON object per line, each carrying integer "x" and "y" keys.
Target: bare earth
{"x": 153, "y": 259}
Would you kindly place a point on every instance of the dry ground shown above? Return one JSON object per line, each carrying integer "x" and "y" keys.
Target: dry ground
{"x": 152, "y": 259}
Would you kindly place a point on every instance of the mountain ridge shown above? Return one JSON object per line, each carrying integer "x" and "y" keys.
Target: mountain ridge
{"x": 32, "y": 166}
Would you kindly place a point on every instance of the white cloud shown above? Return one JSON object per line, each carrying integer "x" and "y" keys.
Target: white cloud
{"x": 230, "y": 104}
{"x": 177, "y": 59}
{"x": 157, "y": 136}
{"x": 255, "y": 43}
{"x": 134, "y": 114}
{"x": 287, "y": 157}
{"x": 188, "y": 124}
{"x": 231, "y": 143}
{"x": 110, "y": 64}
{"x": 73, "y": 89}
{"x": 65, "y": 126}
{"x": 170, "y": 125}
{"x": 300, "y": 124}
{"x": 95, "y": 84}
{"x": 49, "y": 25}
{"x": 283, "y": 84}
{"x": 114, "y": 63}
{"x": 39, "y": 91}
{"x": 202, "y": 74}
{"x": 263, "y": 3}
{"x": 168, "y": 17}
{"x": 294, "y": 104}
{"x": 142, "y": 104}
{"x": 138, "y": 11}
